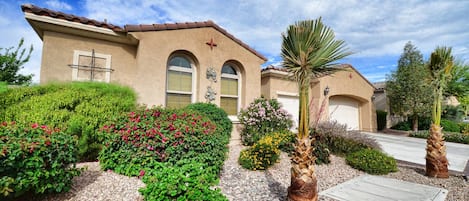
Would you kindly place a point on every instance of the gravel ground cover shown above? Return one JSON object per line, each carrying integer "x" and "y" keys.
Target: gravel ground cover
{"x": 245, "y": 185}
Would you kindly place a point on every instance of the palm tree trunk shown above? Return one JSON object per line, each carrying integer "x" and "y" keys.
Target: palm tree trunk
{"x": 436, "y": 161}
{"x": 303, "y": 185}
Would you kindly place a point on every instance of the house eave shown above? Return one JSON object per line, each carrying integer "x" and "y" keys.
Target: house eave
{"x": 41, "y": 24}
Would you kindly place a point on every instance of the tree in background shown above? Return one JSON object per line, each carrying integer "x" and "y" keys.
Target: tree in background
{"x": 459, "y": 84}
{"x": 440, "y": 67}
{"x": 11, "y": 61}
{"x": 309, "y": 50}
{"x": 406, "y": 87}
{"x": 464, "y": 104}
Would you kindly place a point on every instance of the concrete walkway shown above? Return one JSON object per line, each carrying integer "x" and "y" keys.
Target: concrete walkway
{"x": 412, "y": 150}
{"x": 368, "y": 187}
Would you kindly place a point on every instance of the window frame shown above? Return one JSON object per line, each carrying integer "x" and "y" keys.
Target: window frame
{"x": 191, "y": 70}
{"x": 76, "y": 57}
{"x": 236, "y": 77}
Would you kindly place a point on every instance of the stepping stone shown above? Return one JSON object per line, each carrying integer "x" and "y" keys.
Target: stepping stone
{"x": 374, "y": 188}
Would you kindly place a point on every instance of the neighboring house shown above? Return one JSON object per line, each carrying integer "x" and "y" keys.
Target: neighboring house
{"x": 176, "y": 64}
{"x": 346, "y": 96}
{"x": 166, "y": 64}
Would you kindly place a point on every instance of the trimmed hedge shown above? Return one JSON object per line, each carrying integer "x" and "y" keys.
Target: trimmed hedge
{"x": 35, "y": 159}
{"x": 449, "y": 136}
{"x": 77, "y": 108}
{"x": 372, "y": 161}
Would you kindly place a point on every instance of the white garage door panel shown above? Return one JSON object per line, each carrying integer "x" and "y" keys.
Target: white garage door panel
{"x": 291, "y": 104}
{"x": 345, "y": 111}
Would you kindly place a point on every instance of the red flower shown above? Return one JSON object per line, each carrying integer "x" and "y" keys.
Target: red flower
{"x": 35, "y": 125}
{"x": 142, "y": 172}
{"x": 203, "y": 143}
{"x": 47, "y": 143}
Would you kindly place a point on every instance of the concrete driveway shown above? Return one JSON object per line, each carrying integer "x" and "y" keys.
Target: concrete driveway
{"x": 412, "y": 150}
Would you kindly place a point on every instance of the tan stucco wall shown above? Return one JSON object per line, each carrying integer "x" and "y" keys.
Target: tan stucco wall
{"x": 156, "y": 48}
{"x": 57, "y": 54}
{"x": 143, "y": 66}
{"x": 273, "y": 85}
{"x": 343, "y": 83}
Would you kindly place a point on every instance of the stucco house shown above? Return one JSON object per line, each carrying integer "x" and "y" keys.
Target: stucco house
{"x": 175, "y": 64}
{"x": 346, "y": 96}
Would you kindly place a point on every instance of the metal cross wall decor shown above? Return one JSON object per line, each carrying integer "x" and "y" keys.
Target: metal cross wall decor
{"x": 92, "y": 67}
{"x": 211, "y": 44}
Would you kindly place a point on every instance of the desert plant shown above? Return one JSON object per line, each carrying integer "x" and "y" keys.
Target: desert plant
{"x": 309, "y": 50}
{"x": 440, "y": 67}
{"x": 261, "y": 155}
{"x": 261, "y": 117}
{"x": 372, "y": 161}
{"x": 341, "y": 142}
{"x": 381, "y": 119}
{"x": 36, "y": 159}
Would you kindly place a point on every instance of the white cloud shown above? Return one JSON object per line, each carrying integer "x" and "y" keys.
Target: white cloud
{"x": 16, "y": 28}
{"x": 58, "y": 5}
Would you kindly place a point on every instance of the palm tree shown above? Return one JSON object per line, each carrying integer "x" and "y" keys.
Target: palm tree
{"x": 440, "y": 68}
{"x": 308, "y": 51}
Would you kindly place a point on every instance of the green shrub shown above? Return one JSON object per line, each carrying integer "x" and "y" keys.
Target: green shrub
{"x": 187, "y": 180}
{"x": 372, "y": 162}
{"x": 261, "y": 155}
{"x": 286, "y": 140}
{"x": 381, "y": 119}
{"x": 403, "y": 126}
{"x": 168, "y": 135}
{"x": 449, "y": 136}
{"x": 450, "y": 126}
{"x": 261, "y": 117}
{"x": 321, "y": 149}
{"x": 215, "y": 114}
{"x": 452, "y": 113}
{"x": 3, "y": 87}
{"x": 77, "y": 108}
{"x": 180, "y": 152}
{"x": 35, "y": 159}
{"x": 464, "y": 128}
{"x": 340, "y": 141}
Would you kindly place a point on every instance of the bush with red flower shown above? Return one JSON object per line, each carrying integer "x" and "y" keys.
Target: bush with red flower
{"x": 162, "y": 135}
{"x": 182, "y": 149}
{"x": 35, "y": 159}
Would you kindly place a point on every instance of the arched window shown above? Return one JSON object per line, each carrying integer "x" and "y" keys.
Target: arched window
{"x": 179, "y": 82}
{"x": 229, "y": 97}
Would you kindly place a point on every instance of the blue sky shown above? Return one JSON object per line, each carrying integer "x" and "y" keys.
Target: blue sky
{"x": 375, "y": 30}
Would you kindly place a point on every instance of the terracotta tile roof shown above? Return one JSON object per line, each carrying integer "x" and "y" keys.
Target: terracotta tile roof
{"x": 189, "y": 25}
{"x": 29, "y": 8}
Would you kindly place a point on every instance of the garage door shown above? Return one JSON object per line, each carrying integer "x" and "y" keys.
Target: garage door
{"x": 291, "y": 104}
{"x": 345, "y": 111}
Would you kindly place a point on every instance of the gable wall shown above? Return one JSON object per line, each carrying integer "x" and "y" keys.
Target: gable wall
{"x": 58, "y": 50}
{"x": 156, "y": 47}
